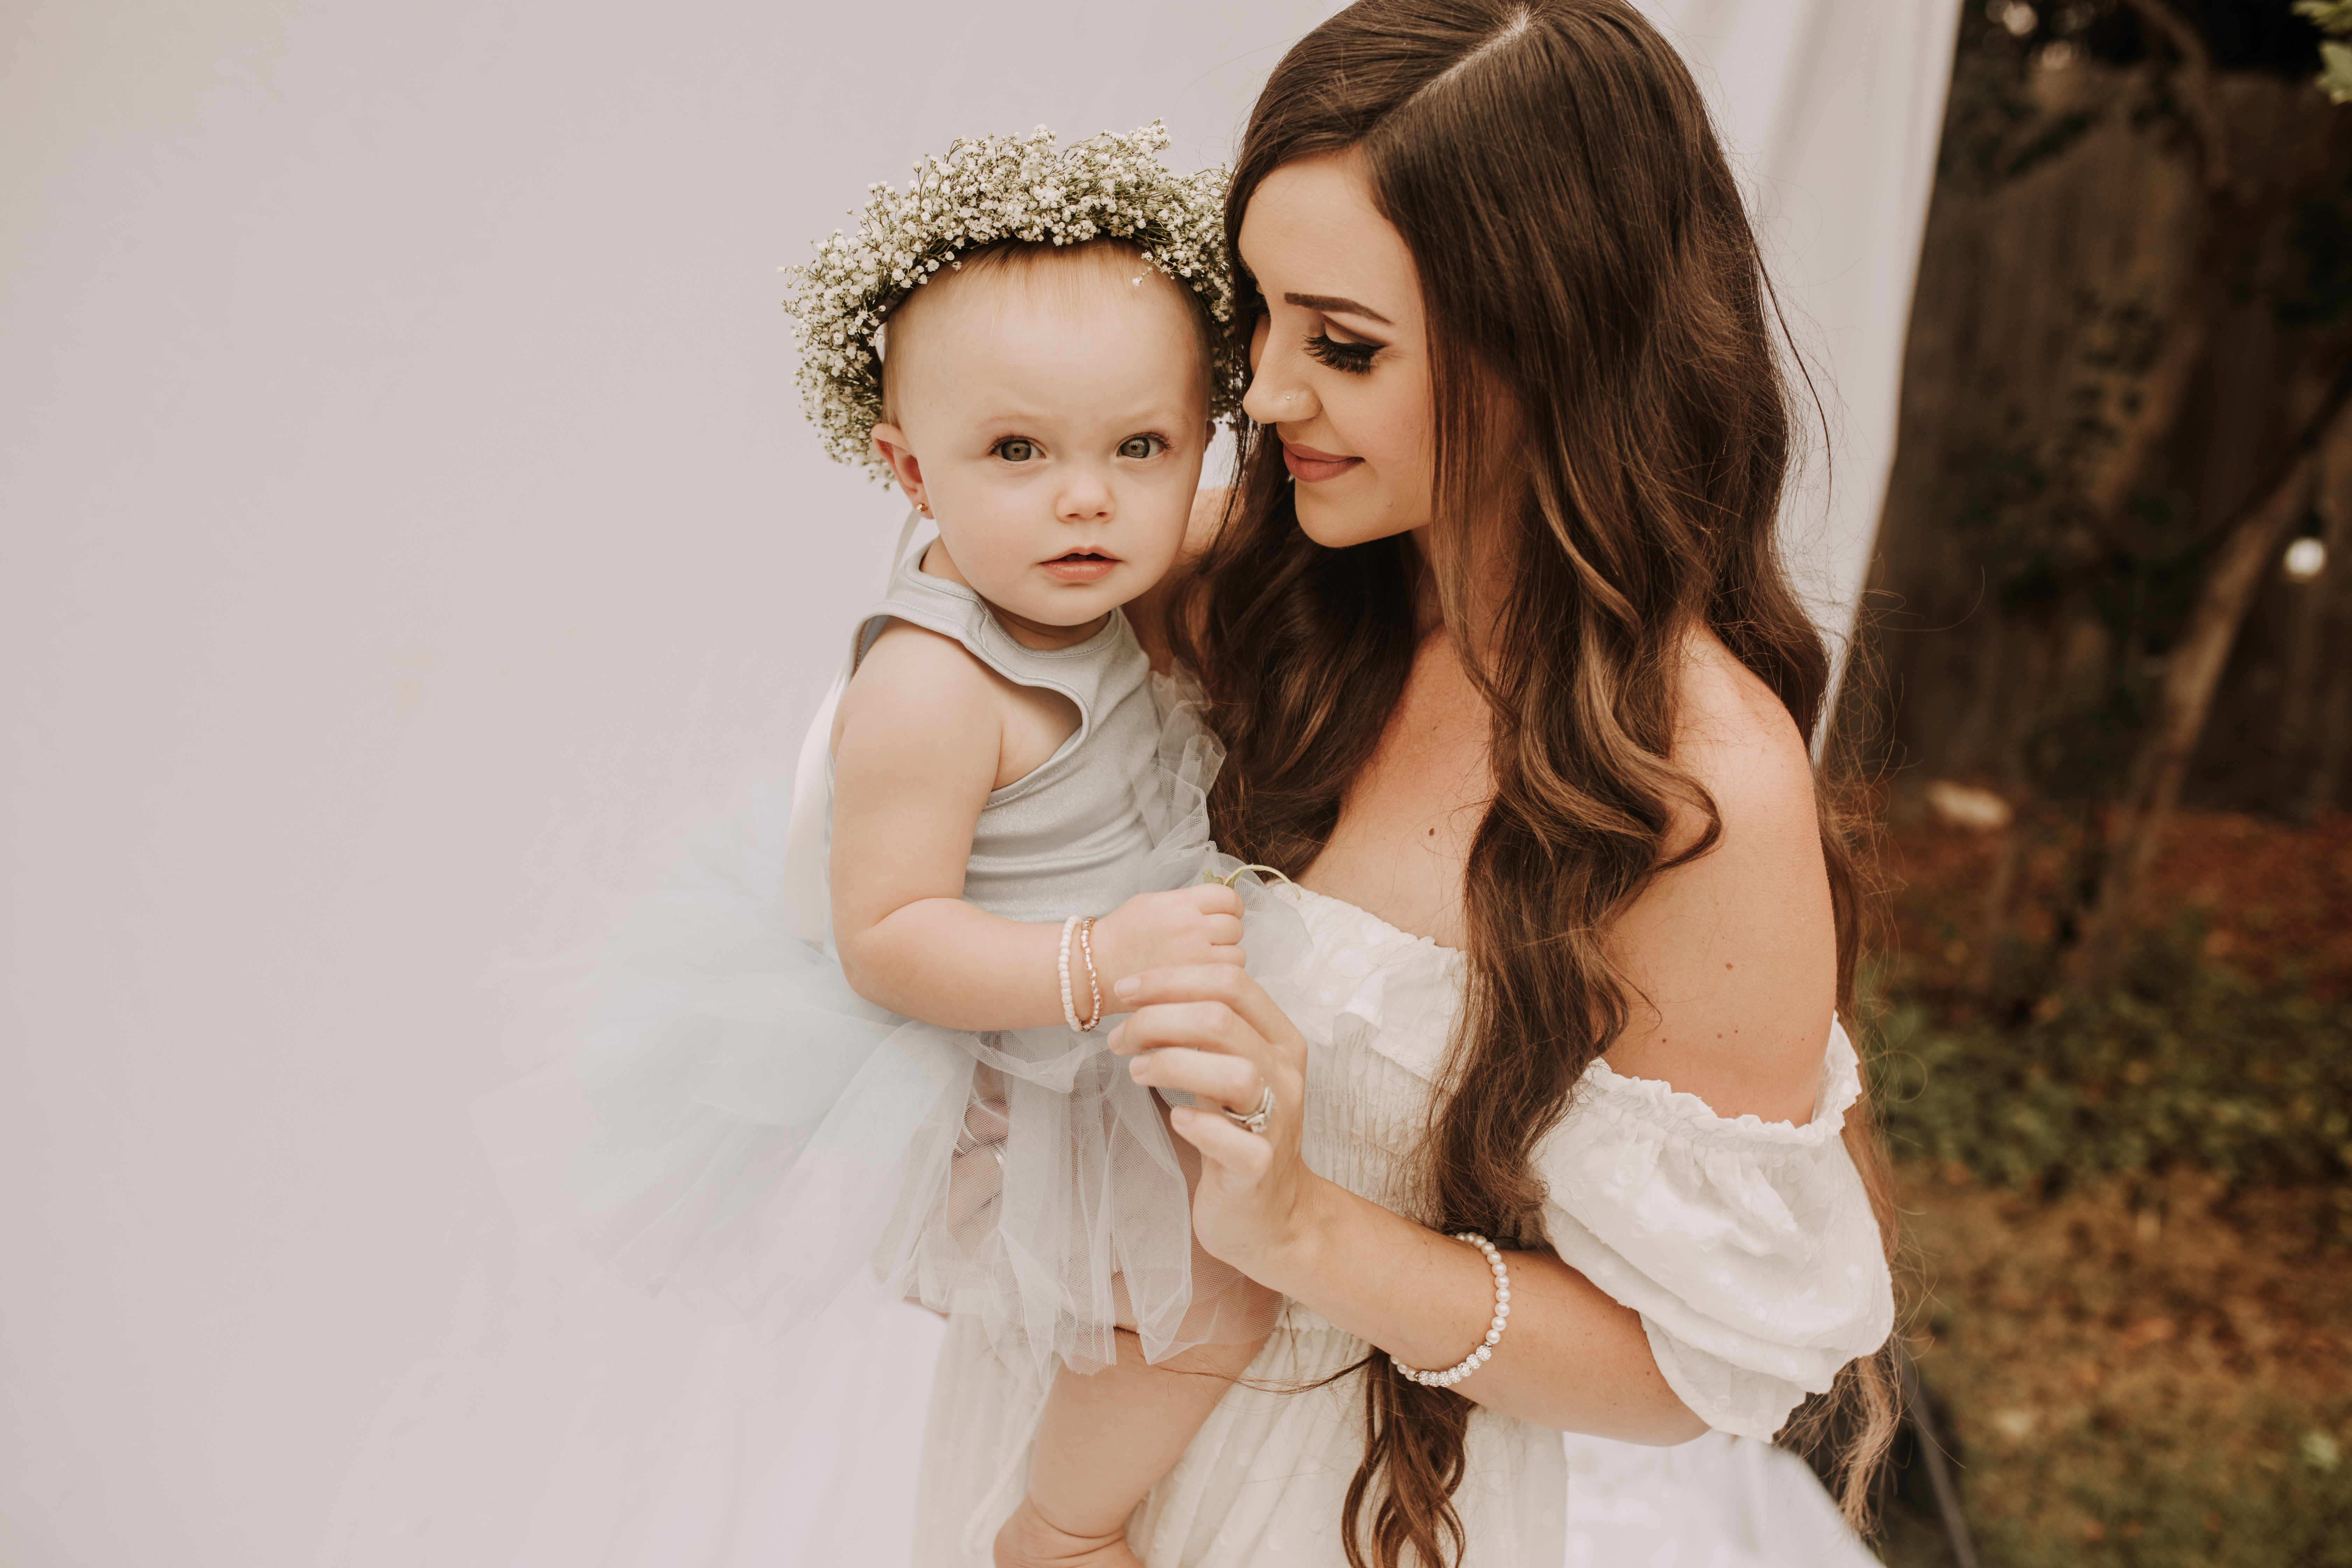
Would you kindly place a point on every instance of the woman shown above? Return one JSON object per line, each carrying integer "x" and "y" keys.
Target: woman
{"x": 1515, "y": 688}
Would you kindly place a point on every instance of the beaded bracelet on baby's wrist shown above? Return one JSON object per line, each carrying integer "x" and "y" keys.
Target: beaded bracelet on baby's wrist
{"x": 1476, "y": 1357}
{"x": 1083, "y": 927}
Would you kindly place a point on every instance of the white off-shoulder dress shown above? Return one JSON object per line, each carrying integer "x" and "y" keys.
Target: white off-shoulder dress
{"x": 1748, "y": 1247}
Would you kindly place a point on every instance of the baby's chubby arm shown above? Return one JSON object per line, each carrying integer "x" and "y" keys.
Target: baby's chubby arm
{"x": 925, "y": 733}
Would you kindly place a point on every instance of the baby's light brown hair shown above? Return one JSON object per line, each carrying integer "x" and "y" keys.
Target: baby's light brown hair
{"x": 1025, "y": 261}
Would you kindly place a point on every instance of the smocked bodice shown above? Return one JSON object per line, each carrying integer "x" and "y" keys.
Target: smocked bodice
{"x": 1749, "y": 1246}
{"x": 1378, "y": 1013}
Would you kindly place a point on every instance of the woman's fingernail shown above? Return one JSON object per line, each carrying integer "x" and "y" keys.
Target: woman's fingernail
{"x": 1135, "y": 1068}
{"x": 1112, "y": 1039}
{"x": 1128, "y": 987}
{"x": 1182, "y": 1115}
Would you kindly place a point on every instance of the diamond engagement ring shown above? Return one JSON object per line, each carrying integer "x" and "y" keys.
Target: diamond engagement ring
{"x": 1255, "y": 1119}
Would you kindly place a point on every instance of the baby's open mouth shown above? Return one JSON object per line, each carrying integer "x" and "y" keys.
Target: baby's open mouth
{"x": 1085, "y": 565}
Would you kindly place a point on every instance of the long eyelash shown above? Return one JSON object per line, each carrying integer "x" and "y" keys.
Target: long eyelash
{"x": 1356, "y": 359}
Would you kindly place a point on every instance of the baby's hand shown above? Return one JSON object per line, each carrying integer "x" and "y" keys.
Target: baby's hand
{"x": 1166, "y": 930}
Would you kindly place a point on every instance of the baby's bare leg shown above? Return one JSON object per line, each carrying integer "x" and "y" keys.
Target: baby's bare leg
{"x": 1104, "y": 1439}
{"x": 1107, "y": 1437}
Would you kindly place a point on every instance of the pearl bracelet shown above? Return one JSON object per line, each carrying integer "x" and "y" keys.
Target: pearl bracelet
{"x": 1084, "y": 927}
{"x": 1476, "y": 1357}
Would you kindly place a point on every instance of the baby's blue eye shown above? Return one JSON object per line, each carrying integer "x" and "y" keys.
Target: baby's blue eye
{"x": 1016, "y": 450}
{"x": 1140, "y": 447}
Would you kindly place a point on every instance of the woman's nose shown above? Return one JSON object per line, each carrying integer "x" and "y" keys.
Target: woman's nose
{"x": 1276, "y": 394}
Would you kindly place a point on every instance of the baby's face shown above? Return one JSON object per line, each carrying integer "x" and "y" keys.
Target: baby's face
{"x": 1052, "y": 418}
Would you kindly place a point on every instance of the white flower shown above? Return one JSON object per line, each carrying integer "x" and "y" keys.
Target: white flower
{"x": 978, "y": 194}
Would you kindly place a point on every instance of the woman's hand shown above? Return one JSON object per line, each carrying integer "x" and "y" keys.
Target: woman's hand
{"x": 1574, "y": 1359}
{"x": 1211, "y": 1030}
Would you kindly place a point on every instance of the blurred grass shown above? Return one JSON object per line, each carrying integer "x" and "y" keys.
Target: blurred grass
{"x": 2150, "y": 1372}
{"x": 2131, "y": 1215}
{"x": 2192, "y": 1065}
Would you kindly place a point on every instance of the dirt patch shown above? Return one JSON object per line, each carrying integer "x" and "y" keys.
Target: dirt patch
{"x": 2272, "y": 898}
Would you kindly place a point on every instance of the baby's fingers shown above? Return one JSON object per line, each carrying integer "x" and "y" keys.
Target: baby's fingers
{"x": 1216, "y": 899}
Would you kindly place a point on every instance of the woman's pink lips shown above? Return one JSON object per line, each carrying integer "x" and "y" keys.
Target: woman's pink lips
{"x": 1082, "y": 568}
{"x": 1307, "y": 463}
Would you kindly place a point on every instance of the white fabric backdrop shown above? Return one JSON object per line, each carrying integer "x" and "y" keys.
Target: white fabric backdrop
{"x": 403, "y": 508}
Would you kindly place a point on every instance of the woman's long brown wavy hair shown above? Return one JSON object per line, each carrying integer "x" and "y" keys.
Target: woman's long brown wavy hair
{"x": 1599, "y": 321}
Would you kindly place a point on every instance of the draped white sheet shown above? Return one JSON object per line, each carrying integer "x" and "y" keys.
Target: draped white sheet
{"x": 403, "y": 507}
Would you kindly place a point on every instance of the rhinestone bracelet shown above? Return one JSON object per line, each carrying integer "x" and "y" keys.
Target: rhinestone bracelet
{"x": 1476, "y": 1357}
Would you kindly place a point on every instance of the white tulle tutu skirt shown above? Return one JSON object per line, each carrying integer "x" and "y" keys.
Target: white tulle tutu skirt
{"x": 727, "y": 1119}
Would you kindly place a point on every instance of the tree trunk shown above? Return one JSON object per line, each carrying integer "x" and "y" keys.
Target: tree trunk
{"x": 2330, "y": 735}
{"x": 2201, "y": 293}
{"x": 2253, "y": 538}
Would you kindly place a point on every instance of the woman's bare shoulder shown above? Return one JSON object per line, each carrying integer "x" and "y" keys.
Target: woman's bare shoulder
{"x": 1732, "y": 734}
{"x": 1734, "y": 953}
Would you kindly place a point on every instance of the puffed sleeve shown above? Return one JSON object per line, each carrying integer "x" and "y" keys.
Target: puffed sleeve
{"x": 1748, "y": 1247}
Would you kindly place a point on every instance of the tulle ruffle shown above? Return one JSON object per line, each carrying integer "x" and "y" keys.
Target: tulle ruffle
{"x": 730, "y": 1121}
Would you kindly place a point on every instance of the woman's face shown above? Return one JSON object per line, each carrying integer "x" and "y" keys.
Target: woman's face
{"x": 1339, "y": 361}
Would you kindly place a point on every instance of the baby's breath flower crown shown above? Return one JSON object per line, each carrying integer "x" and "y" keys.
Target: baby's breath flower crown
{"x": 983, "y": 193}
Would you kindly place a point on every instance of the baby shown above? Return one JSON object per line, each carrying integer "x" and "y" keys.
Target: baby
{"x": 778, "y": 1109}
{"x": 1048, "y": 407}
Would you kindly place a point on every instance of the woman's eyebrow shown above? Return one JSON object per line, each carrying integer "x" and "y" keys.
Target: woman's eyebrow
{"x": 1334, "y": 303}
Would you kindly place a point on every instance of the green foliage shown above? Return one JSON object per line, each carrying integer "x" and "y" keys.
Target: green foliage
{"x": 2003, "y": 495}
{"x": 1994, "y": 132}
{"x": 2080, "y": 745}
{"x": 2115, "y": 595}
{"x": 2332, "y": 17}
{"x": 2335, "y": 72}
{"x": 1993, "y": 129}
{"x": 2188, "y": 1066}
{"x": 2015, "y": 492}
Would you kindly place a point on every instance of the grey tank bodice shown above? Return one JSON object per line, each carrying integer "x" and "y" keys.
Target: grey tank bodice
{"x": 1069, "y": 838}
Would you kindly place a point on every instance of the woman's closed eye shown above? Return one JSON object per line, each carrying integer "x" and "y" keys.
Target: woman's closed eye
{"x": 1347, "y": 355}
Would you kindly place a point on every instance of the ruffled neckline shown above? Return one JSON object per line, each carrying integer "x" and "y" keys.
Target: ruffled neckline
{"x": 1385, "y": 933}
{"x": 1406, "y": 990}
{"x": 1401, "y": 990}
{"x": 1686, "y": 1115}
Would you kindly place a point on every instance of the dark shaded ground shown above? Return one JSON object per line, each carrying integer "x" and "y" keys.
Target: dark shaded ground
{"x": 2138, "y": 1321}
{"x": 2153, "y": 1372}
{"x": 2274, "y": 900}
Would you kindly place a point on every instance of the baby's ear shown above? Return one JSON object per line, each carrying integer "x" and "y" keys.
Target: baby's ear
{"x": 891, "y": 446}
